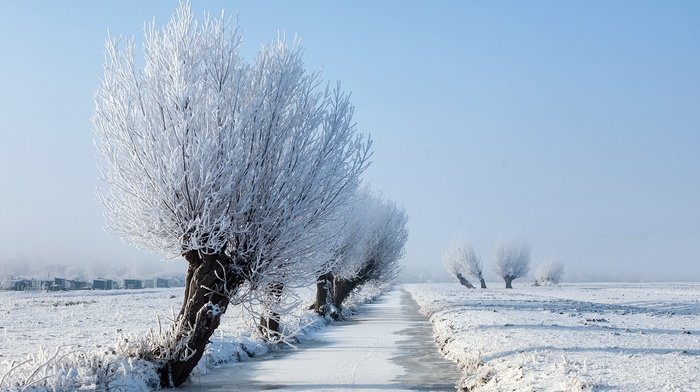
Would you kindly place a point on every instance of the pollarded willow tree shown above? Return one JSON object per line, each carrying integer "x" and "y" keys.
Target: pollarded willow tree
{"x": 475, "y": 266}
{"x": 461, "y": 259}
{"x": 512, "y": 260}
{"x": 368, "y": 249}
{"x": 346, "y": 252}
{"x": 239, "y": 168}
{"x": 549, "y": 273}
{"x": 455, "y": 262}
{"x": 380, "y": 250}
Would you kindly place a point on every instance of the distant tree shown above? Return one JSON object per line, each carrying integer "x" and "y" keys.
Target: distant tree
{"x": 512, "y": 261}
{"x": 370, "y": 245}
{"x": 455, "y": 262}
{"x": 380, "y": 252}
{"x": 462, "y": 259}
{"x": 239, "y": 168}
{"x": 5, "y": 281}
{"x": 474, "y": 265}
{"x": 347, "y": 251}
{"x": 549, "y": 273}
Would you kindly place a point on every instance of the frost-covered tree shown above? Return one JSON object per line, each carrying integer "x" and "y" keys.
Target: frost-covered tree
{"x": 370, "y": 245}
{"x": 455, "y": 262}
{"x": 549, "y": 273}
{"x": 382, "y": 250}
{"x": 461, "y": 259}
{"x": 512, "y": 260}
{"x": 346, "y": 252}
{"x": 239, "y": 168}
{"x": 5, "y": 281}
{"x": 475, "y": 266}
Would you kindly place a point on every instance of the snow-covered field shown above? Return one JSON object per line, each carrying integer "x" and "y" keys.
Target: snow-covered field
{"x": 77, "y": 329}
{"x": 63, "y": 341}
{"x": 599, "y": 336}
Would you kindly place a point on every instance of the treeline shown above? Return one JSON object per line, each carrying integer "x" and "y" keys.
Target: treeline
{"x": 511, "y": 261}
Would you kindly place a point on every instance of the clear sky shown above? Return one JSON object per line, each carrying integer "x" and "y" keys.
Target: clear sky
{"x": 573, "y": 125}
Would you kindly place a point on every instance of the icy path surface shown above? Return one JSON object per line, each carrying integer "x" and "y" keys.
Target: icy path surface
{"x": 387, "y": 346}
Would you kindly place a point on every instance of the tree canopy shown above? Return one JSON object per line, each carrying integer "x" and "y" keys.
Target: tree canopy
{"x": 241, "y": 168}
{"x": 512, "y": 260}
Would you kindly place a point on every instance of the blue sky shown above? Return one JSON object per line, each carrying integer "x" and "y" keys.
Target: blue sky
{"x": 573, "y": 125}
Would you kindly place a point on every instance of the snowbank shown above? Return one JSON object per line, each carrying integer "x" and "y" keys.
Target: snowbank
{"x": 90, "y": 340}
{"x": 623, "y": 337}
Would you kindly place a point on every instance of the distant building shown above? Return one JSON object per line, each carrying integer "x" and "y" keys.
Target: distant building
{"x": 149, "y": 283}
{"x": 41, "y": 285}
{"x": 78, "y": 285}
{"x": 103, "y": 284}
{"x": 21, "y": 284}
{"x": 168, "y": 282}
{"x": 133, "y": 284}
{"x": 60, "y": 284}
{"x": 57, "y": 284}
{"x": 172, "y": 282}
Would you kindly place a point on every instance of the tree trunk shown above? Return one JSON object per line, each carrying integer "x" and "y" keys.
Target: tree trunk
{"x": 269, "y": 326}
{"x": 341, "y": 289}
{"x": 509, "y": 282}
{"x": 205, "y": 301}
{"x": 483, "y": 283}
{"x": 324, "y": 287}
{"x": 464, "y": 282}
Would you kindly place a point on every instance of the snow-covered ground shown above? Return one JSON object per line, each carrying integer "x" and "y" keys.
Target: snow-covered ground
{"x": 600, "y": 336}
{"x": 387, "y": 345}
{"x": 63, "y": 341}
{"x": 55, "y": 340}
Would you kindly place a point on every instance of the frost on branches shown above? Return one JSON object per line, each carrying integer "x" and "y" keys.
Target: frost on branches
{"x": 549, "y": 273}
{"x": 512, "y": 260}
{"x": 240, "y": 168}
{"x": 461, "y": 259}
{"x": 369, "y": 244}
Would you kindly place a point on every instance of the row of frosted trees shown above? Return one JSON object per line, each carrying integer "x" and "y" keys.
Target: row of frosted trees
{"x": 250, "y": 171}
{"x": 512, "y": 261}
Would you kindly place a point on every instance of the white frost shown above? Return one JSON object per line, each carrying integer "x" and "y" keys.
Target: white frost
{"x": 607, "y": 336}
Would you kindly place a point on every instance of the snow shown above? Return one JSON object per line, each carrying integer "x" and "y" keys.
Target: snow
{"x": 63, "y": 341}
{"x": 382, "y": 347}
{"x": 600, "y": 336}
{"x": 57, "y": 340}
{"x": 79, "y": 319}
{"x": 372, "y": 349}
{"x": 593, "y": 336}
{"x": 214, "y": 309}
{"x": 364, "y": 348}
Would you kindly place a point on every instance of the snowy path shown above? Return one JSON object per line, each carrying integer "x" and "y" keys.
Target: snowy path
{"x": 387, "y": 346}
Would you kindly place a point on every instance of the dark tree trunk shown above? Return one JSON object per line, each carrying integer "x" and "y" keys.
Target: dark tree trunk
{"x": 341, "y": 289}
{"x": 269, "y": 326}
{"x": 483, "y": 283}
{"x": 464, "y": 282}
{"x": 509, "y": 282}
{"x": 324, "y": 296}
{"x": 204, "y": 303}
